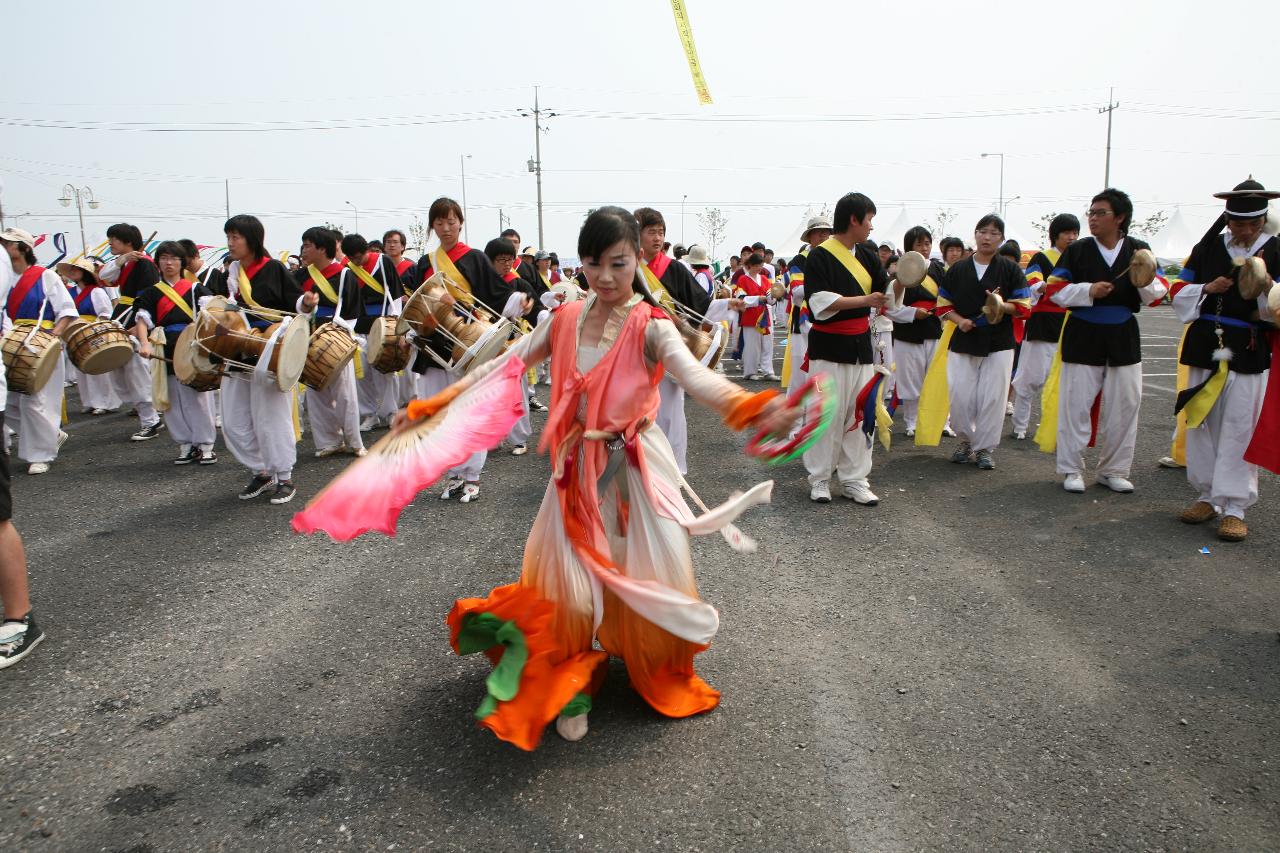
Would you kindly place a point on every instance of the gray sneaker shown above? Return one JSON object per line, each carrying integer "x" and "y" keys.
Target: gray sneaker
{"x": 963, "y": 454}
{"x": 984, "y": 461}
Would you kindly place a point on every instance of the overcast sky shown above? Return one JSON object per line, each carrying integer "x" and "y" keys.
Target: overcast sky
{"x": 793, "y": 85}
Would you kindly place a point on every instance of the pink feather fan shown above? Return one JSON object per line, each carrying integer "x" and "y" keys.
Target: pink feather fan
{"x": 370, "y": 494}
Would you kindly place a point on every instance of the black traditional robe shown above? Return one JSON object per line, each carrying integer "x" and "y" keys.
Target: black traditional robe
{"x": 823, "y": 272}
{"x": 922, "y": 296}
{"x": 963, "y": 292}
{"x": 1086, "y": 338}
{"x": 1242, "y": 332}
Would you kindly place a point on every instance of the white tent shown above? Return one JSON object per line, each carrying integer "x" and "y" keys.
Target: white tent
{"x": 1176, "y": 240}
{"x": 791, "y": 245}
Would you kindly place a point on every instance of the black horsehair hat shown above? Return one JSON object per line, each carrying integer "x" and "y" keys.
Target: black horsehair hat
{"x": 1248, "y": 200}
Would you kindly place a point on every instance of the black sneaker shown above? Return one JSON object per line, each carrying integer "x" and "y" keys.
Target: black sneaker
{"x": 257, "y": 486}
{"x": 148, "y": 433}
{"x": 208, "y": 457}
{"x": 535, "y": 406}
{"x": 187, "y": 458}
{"x": 283, "y": 493}
{"x": 17, "y": 638}
{"x": 963, "y": 454}
{"x": 984, "y": 460}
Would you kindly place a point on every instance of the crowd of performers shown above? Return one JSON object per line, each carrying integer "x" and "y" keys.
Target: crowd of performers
{"x": 607, "y": 567}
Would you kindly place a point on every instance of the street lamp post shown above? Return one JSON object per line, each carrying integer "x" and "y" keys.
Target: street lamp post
{"x": 1004, "y": 209}
{"x": 999, "y": 206}
{"x": 80, "y": 194}
{"x": 357, "y": 211}
{"x": 462, "y": 161}
{"x": 682, "y": 201}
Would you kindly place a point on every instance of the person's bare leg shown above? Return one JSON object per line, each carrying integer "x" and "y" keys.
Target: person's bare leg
{"x": 13, "y": 573}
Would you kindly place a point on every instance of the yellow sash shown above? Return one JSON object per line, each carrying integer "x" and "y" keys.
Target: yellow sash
{"x": 364, "y": 276}
{"x": 935, "y": 394}
{"x": 1179, "y": 449}
{"x": 455, "y": 281}
{"x": 850, "y": 262}
{"x": 175, "y": 299}
{"x": 245, "y": 293}
{"x": 1199, "y": 406}
{"x": 322, "y": 283}
{"x": 1047, "y": 432}
{"x": 655, "y": 287}
{"x": 930, "y": 285}
{"x": 190, "y": 276}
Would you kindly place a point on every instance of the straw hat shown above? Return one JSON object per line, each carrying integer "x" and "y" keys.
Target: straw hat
{"x": 84, "y": 264}
{"x": 815, "y": 223}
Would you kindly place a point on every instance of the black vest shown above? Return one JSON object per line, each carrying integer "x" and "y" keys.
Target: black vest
{"x": 1103, "y": 344}
{"x": 1250, "y": 349}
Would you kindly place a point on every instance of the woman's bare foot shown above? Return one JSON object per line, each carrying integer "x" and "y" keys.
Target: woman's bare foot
{"x": 572, "y": 728}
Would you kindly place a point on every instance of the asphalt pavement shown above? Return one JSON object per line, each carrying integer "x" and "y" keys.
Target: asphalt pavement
{"x": 982, "y": 661}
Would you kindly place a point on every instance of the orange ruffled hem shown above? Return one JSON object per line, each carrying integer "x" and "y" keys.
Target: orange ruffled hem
{"x": 551, "y": 677}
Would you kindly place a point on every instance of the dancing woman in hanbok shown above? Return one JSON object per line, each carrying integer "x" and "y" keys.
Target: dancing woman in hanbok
{"x": 608, "y": 557}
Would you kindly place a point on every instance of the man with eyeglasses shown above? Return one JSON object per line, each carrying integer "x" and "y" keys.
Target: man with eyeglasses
{"x": 1101, "y": 344}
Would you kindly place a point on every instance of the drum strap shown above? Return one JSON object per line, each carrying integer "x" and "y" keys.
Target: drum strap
{"x": 364, "y": 277}
{"x": 174, "y": 297}
{"x": 322, "y": 283}
{"x": 850, "y": 262}
{"x": 454, "y": 279}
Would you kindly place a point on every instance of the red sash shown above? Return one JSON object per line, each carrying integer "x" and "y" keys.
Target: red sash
{"x": 852, "y": 326}
{"x": 328, "y": 272}
{"x": 511, "y": 276}
{"x": 165, "y": 305}
{"x": 84, "y": 296}
{"x": 403, "y": 266}
{"x": 127, "y": 270}
{"x": 21, "y": 288}
{"x": 371, "y": 262}
{"x": 254, "y": 268}
{"x": 659, "y": 264}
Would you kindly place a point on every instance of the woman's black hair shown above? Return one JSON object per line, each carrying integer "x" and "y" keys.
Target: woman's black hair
{"x": 442, "y": 207}
{"x": 988, "y": 220}
{"x": 322, "y": 238}
{"x": 1062, "y": 222}
{"x": 913, "y": 234}
{"x": 756, "y": 258}
{"x": 1010, "y": 249}
{"x": 250, "y": 228}
{"x": 175, "y": 248}
{"x": 950, "y": 243}
{"x": 189, "y": 246}
{"x": 607, "y": 226}
{"x": 499, "y": 247}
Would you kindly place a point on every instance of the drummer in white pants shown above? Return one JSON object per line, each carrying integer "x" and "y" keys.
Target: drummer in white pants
{"x": 257, "y": 416}
{"x": 379, "y": 294}
{"x": 38, "y": 296}
{"x": 331, "y": 295}
{"x": 131, "y": 272}
{"x": 172, "y": 304}
{"x": 93, "y": 303}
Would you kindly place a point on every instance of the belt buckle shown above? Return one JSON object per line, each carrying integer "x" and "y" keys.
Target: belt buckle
{"x": 615, "y": 444}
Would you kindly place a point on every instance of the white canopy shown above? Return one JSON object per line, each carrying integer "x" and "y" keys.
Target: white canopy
{"x": 1176, "y": 240}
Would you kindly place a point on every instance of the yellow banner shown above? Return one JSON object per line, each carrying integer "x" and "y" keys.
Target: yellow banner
{"x": 690, "y": 51}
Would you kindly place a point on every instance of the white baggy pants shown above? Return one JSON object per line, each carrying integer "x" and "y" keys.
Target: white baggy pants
{"x": 838, "y": 451}
{"x": 38, "y": 417}
{"x": 1033, "y": 371}
{"x": 132, "y": 384}
{"x": 190, "y": 417}
{"x": 257, "y": 424}
{"x": 1215, "y": 450}
{"x": 334, "y": 414}
{"x": 757, "y": 353}
{"x": 431, "y": 383}
{"x": 1121, "y": 389}
{"x": 978, "y": 388}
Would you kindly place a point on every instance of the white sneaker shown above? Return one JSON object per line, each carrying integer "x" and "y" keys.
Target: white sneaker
{"x": 820, "y": 493}
{"x": 369, "y": 423}
{"x": 38, "y": 468}
{"x": 453, "y": 484}
{"x": 1170, "y": 462}
{"x": 859, "y": 494}
{"x": 1074, "y": 483}
{"x": 572, "y": 728}
{"x": 1008, "y": 409}
{"x": 359, "y": 452}
{"x": 519, "y": 450}
{"x": 1116, "y": 484}
{"x": 329, "y": 451}
{"x": 470, "y": 492}
{"x": 62, "y": 438}
{"x": 1020, "y": 435}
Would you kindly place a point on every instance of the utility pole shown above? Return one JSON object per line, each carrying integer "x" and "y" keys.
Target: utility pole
{"x": 535, "y": 163}
{"x": 462, "y": 161}
{"x": 1108, "y": 109}
{"x": 226, "y": 187}
{"x": 503, "y": 221}
{"x": 999, "y": 204}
